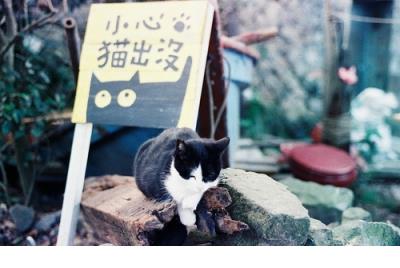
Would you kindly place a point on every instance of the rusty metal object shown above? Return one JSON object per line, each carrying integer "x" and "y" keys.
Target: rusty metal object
{"x": 74, "y": 44}
{"x": 231, "y": 43}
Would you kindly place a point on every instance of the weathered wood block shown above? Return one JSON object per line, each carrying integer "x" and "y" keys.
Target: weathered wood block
{"x": 120, "y": 214}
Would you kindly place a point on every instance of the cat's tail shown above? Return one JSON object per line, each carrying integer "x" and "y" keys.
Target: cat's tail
{"x": 137, "y": 158}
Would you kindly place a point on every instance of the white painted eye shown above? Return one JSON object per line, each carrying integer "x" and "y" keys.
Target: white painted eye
{"x": 126, "y": 97}
{"x": 102, "y": 99}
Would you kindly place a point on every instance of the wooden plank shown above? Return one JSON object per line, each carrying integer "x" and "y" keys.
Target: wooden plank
{"x": 74, "y": 186}
{"x": 252, "y": 159}
{"x": 120, "y": 213}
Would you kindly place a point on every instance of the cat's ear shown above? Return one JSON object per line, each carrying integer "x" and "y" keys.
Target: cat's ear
{"x": 222, "y": 144}
{"x": 181, "y": 148}
{"x": 94, "y": 79}
{"x": 135, "y": 79}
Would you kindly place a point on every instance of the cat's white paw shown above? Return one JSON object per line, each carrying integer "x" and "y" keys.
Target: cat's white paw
{"x": 187, "y": 217}
{"x": 191, "y": 202}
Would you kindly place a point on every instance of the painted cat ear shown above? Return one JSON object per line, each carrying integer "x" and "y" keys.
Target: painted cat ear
{"x": 135, "y": 78}
{"x": 222, "y": 144}
{"x": 94, "y": 79}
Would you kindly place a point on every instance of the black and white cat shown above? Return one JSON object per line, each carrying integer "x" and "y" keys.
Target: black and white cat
{"x": 178, "y": 164}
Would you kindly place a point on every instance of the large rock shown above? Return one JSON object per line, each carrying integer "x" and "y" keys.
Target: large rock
{"x": 324, "y": 202}
{"x": 386, "y": 195}
{"x": 22, "y": 216}
{"x": 275, "y": 215}
{"x": 362, "y": 233}
{"x": 355, "y": 213}
{"x": 3, "y": 211}
{"x": 46, "y": 222}
{"x": 383, "y": 214}
{"x": 321, "y": 235}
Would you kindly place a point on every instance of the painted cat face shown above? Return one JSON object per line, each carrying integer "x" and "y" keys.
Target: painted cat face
{"x": 134, "y": 103}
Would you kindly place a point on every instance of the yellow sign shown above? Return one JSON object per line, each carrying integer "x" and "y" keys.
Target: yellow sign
{"x": 142, "y": 64}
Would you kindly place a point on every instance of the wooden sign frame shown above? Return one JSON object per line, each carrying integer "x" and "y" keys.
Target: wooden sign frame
{"x": 74, "y": 185}
{"x": 83, "y": 131}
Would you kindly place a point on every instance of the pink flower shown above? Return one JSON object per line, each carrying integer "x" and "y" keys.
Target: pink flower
{"x": 348, "y": 75}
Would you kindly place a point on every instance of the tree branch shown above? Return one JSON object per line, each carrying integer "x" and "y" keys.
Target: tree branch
{"x": 11, "y": 30}
{"x": 25, "y": 11}
{"x": 65, "y": 6}
{"x": 11, "y": 22}
{"x": 36, "y": 24}
{"x": 5, "y": 183}
{"x": 46, "y": 4}
{"x": 2, "y": 38}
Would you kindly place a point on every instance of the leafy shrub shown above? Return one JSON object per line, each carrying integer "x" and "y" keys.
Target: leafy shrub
{"x": 40, "y": 83}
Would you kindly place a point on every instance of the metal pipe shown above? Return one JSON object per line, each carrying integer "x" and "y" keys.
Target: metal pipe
{"x": 74, "y": 44}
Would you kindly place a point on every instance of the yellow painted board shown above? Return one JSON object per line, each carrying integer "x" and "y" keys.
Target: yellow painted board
{"x": 143, "y": 64}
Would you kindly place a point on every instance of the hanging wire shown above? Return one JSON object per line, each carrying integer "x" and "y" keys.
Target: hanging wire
{"x": 366, "y": 19}
{"x": 210, "y": 99}
{"x": 215, "y": 122}
{"x": 225, "y": 101}
{"x": 346, "y": 28}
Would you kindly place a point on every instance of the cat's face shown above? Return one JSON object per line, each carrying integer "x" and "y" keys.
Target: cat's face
{"x": 199, "y": 159}
{"x": 135, "y": 103}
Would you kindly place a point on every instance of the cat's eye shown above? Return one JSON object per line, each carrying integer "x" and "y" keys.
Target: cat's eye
{"x": 102, "y": 98}
{"x": 126, "y": 97}
{"x": 192, "y": 177}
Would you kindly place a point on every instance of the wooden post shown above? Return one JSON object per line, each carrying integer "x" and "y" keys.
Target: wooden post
{"x": 369, "y": 43}
{"x": 79, "y": 151}
{"x": 75, "y": 182}
{"x": 336, "y": 120}
{"x": 216, "y": 65}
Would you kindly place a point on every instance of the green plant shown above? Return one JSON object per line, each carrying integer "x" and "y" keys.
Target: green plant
{"x": 40, "y": 84}
{"x": 261, "y": 118}
{"x": 35, "y": 80}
